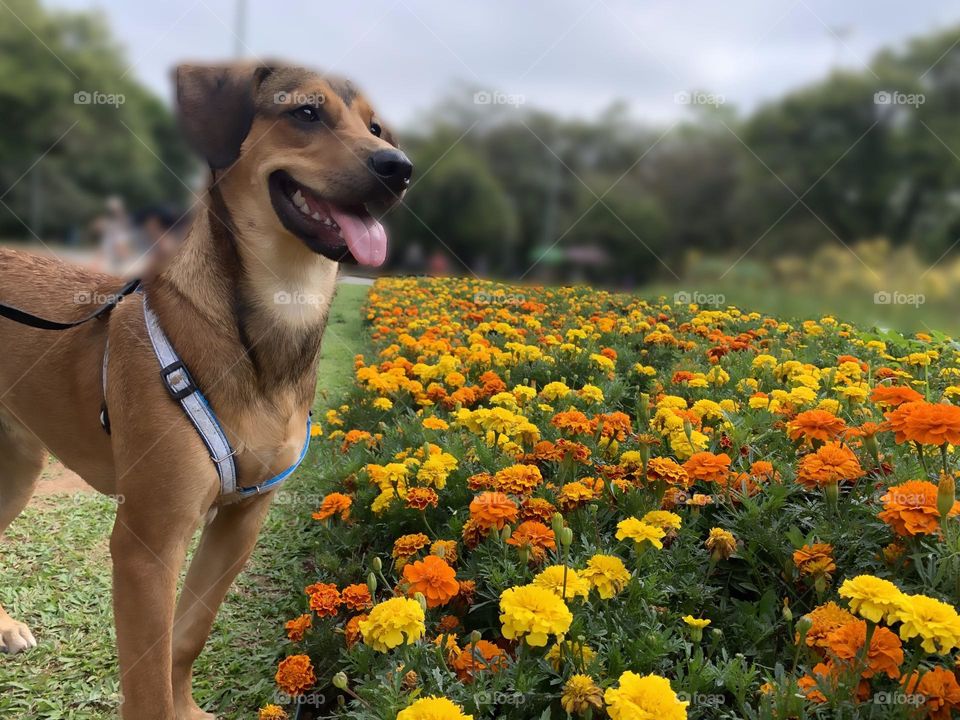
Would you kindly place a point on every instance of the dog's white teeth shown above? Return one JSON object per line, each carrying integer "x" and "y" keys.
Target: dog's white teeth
{"x": 298, "y": 197}
{"x": 316, "y": 216}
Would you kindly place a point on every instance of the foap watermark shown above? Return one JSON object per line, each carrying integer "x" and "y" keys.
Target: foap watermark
{"x": 499, "y": 698}
{"x": 293, "y": 97}
{"x": 899, "y": 698}
{"x": 93, "y": 297}
{"x": 96, "y": 97}
{"x": 895, "y": 297}
{"x": 695, "y": 297}
{"x": 314, "y": 699}
{"x": 699, "y": 98}
{"x": 498, "y": 298}
{"x": 282, "y": 297}
{"x": 895, "y": 97}
{"x": 485, "y": 97}
{"x": 713, "y": 700}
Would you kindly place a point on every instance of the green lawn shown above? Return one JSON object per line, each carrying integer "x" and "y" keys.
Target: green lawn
{"x": 55, "y": 576}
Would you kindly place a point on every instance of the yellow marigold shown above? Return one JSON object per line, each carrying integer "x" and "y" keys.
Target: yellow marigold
{"x": 446, "y": 549}
{"x": 580, "y": 694}
{"x": 646, "y": 697}
{"x": 552, "y": 579}
{"x": 698, "y": 623}
{"x": 533, "y": 613}
{"x": 554, "y": 390}
{"x": 433, "y": 708}
{"x": 434, "y": 423}
{"x": 518, "y": 479}
{"x": 872, "y": 598}
{"x": 640, "y": 532}
{"x": 272, "y": 712}
{"x": 573, "y": 495}
{"x": 607, "y": 574}
{"x": 662, "y": 519}
{"x": 406, "y": 546}
{"x": 721, "y": 543}
{"x": 295, "y": 675}
{"x": 935, "y": 622}
{"x": 393, "y": 622}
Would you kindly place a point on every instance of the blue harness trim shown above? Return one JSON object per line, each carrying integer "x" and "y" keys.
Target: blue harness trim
{"x": 176, "y": 378}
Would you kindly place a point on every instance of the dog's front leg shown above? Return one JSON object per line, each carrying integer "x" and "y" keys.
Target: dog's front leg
{"x": 223, "y": 551}
{"x": 148, "y": 549}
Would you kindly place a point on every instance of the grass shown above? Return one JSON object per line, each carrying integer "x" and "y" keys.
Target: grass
{"x": 55, "y": 576}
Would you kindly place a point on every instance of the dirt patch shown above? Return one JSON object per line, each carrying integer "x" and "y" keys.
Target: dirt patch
{"x": 58, "y": 480}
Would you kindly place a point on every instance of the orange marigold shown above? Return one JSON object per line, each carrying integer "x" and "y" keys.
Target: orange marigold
{"x": 493, "y": 510}
{"x": 325, "y": 599}
{"x": 824, "y": 620}
{"x": 407, "y": 546}
{"x": 334, "y": 504}
{"x": 894, "y": 395}
{"x": 298, "y": 627}
{"x": 815, "y": 560}
{"x": 295, "y": 675}
{"x": 433, "y": 578}
{"x": 351, "y": 631}
{"x": 940, "y": 691}
{"x": 536, "y": 537}
{"x": 708, "y": 467}
{"x": 445, "y": 550}
{"x": 831, "y": 463}
{"x": 478, "y": 657}
{"x": 911, "y": 508}
{"x": 667, "y": 469}
{"x": 357, "y": 597}
{"x": 573, "y": 421}
{"x": 815, "y": 425}
{"x": 573, "y": 495}
{"x": 926, "y": 423}
{"x": 518, "y": 479}
{"x": 537, "y": 509}
{"x": 884, "y": 657}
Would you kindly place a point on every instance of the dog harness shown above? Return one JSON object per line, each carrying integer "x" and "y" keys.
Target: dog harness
{"x": 179, "y": 383}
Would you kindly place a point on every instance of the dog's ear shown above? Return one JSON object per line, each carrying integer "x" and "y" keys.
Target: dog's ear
{"x": 215, "y": 108}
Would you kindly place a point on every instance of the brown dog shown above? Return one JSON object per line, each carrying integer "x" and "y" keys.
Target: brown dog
{"x": 297, "y": 159}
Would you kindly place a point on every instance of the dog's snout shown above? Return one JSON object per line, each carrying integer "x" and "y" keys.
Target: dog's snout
{"x": 392, "y": 167}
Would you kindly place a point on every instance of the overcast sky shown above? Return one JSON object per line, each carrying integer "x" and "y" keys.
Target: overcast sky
{"x": 571, "y": 56}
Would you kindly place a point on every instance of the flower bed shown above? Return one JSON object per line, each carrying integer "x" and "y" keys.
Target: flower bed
{"x": 549, "y": 503}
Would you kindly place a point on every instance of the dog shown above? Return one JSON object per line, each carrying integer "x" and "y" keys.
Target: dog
{"x": 300, "y": 165}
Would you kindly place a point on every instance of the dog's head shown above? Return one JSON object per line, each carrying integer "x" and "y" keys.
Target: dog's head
{"x": 299, "y": 156}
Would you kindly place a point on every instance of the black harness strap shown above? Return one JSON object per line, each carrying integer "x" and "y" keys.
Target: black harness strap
{"x": 25, "y": 318}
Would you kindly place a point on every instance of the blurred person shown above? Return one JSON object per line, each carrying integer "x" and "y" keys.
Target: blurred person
{"x": 116, "y": 237}
{"x": 160, "y": 231}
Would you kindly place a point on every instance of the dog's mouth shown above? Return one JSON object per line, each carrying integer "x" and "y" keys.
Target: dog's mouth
{"x": 344, "y": 234}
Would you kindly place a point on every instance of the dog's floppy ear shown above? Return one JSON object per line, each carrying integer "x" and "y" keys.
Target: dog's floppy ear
{"x": 215, "y": 108}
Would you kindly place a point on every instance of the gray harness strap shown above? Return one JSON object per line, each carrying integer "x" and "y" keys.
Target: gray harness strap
{"x": 176, "y": 377}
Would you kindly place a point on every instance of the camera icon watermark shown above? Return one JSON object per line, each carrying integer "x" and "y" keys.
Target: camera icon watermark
{"x": 96, "y": 97}
{"x": 93, "y": 297}
{"x": 713, "y": 700}
{"x": 282, "y": 297}
{"x": 499, "y": 698}
{"x": 895, "y": 97}
{"x": 897, "y": 697}
{"x": 699, "y": 98}
{"x": 895, "y": 297}
{"x": 293, "y": 97}
{"x": 485, "y": 97}
{"x": 498, "y": 298}
{"x": 695, "y": 297}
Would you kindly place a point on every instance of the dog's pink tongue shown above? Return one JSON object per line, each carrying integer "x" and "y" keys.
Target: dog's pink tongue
{"x": 365, "y": 237}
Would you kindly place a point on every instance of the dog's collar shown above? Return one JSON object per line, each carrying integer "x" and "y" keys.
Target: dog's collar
{"x": 179, "y": 383}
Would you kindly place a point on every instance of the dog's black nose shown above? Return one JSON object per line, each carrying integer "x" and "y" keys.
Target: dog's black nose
{"x": 392, "y": 167}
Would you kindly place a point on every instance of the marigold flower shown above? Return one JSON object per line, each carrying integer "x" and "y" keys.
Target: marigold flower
{"x": 708, "y": 467}
{"x": 553, "y": 578}
{"x": 884, "y": 656}
{"x": 815, "y": 560}
{"x": 434, "y": 578}
{"x": 535, "y": 536}
{"x": 815, "y": 425}
{"x": 518, "y": 479}
{"x": 926, "y": 423}
{"x": 537, "y": 509}
{"x": 940, "y": 692}
{"x": 351, "y": 631}
{"x": 911, "y": 508}
{"x": 644, "y": 697}
{"x": 433, "y": 708}
{"x": 580, "y": 694}
{"x": 357, "y": 597}
{"x": 824, "y": 619}
{"x": 640, "y": 532}
{"x": 325, "y": 599}
{"x": 419, "y": 498}
{"x": 334, "y": 504}
{"x": 478, "y": 657}
{"x": 573, "y": 495}
{"x": 298, "y": 627}
{"x": 295, "y": 675}
{"x": 831, "y": 463}
{"x": 572, "y": 421}
{"x": 407, "y": 546}
{"x": 393, "y": 622}
{"x": 721, "y": 544}
{"x": 272, "y": 712}
{"x": 872, "y": 598}
{"x": 892, "y": 396}
{"x": 493, "y": 510}
{"x": 607, "y": 574}
{"x": 578, "y": 654}
{"x": 662, "y": 519}
{"x": 533, "y": 613}
{"x": 935, "y": 622}
{"x": 446, "y": 550}
{"x": 667, "y": 470}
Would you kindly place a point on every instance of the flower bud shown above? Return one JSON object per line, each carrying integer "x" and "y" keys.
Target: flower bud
{"x": 803, "y": 627}
{"x": 946, "y": 495}
{"x": 566, "y": 537}
{"x": 505, "y": 533}
{"x": 372, "y": 583}
{"x": 420, "y": 598}
{"x": 340, "y": 681}
{"x": 377, "y": 564}
{"x": 475, "y": 637}
{"x": 557, "y": 523}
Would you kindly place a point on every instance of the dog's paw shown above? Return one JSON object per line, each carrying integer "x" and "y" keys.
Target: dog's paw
{"x": 15, "y": 637}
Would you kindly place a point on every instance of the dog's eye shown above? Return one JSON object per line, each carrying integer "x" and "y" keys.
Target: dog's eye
{"x": 306, "y": 113}
{"x": 376, "y": 129}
